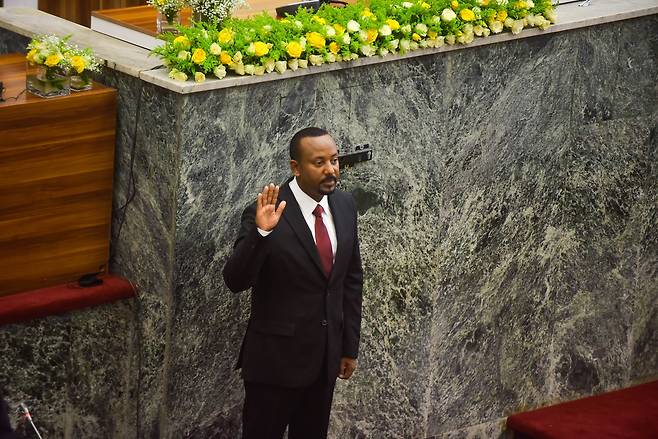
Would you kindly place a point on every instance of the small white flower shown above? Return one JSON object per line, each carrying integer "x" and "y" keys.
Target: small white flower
{"x": 303, "y": 64}
{"x": 468, "y": 28}
{"x": 316, "y": 60}
{"x": 551, "y": 15}
{"x": 250, "y": 69}
{"x": 339, "y": 57}
{"x": 440, "y": 41}
{"x": 346, "y": 39}
{"x": 385, "y": 30}
{"x": 215, "y": 49}
{"x": 448, "y": 15}
{"x": 421, "y": 29}
{"x": 219, "y": 72}
{"x": 293, "y": 64}
{"x": 545, "y": 24}
{"x": 353, "y": 26}
{"x": 407, "y": 4}
{"x": 280, "y": 66}
{"x": 172, "y": 73}
{"x": 251, "y": 49}
{"x": 406, "y": 29}
{"x": 269, "y": 65}
{"x": 329, "y": 31}
{"x": 267, "y": 28}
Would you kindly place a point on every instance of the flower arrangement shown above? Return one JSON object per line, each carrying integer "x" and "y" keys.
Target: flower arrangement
{"x": 55, "y": 66}
{"x": 169, "y": 10}
{"x": 262, "y": 44}
{"x": 214, "y": 11}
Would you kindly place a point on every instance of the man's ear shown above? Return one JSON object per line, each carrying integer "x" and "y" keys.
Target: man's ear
{"x": 294, "y": 167}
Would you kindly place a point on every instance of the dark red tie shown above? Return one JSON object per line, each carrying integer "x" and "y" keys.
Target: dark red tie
{"x": 322, "y": 241}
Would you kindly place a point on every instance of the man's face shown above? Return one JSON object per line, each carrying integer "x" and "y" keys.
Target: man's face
{"x": 317, "y": 169}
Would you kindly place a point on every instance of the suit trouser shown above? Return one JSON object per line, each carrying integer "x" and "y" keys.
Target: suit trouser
{"x": 269, "y": 409}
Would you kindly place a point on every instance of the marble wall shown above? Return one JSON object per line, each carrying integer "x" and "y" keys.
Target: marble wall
{"x": 508, "y": 230}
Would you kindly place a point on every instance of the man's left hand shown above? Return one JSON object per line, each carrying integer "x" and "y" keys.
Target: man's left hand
{"x": 347, "y": 366}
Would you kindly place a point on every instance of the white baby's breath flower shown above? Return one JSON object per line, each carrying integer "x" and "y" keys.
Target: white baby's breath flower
{"x": 303, "y": 64}
{"x": 385, "y": 30}
{"x": 219, "y": 72}
{"x": 215, "y": 49}
{"x": 293, "y": 64}
{"x": 448, "y": 15}
{"x": 353, "y": 26}
{"x": 280, "y": 66}
{"x": 249, "y": 69}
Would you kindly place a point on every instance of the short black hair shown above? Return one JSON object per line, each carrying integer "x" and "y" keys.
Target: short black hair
{"x": 299, "y": 135}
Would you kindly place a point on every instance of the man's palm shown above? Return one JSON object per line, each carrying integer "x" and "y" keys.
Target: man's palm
{"x": 267, "y": 212}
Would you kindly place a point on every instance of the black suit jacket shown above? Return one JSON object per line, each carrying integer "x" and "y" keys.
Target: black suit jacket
{"x": 300, "y": 319}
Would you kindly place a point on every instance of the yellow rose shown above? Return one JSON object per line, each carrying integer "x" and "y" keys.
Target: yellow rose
{"x": 319, "y": 20}
{"x": 30, "y": 55}
{"x": 225, "y": 58}
{"x": 367, "y": 13}
{"x": 225, "y": 36}
{"x": 502, "y": 15}
{"x": 425, "y": 5}
{"x": 415, "y": 37}
{"x": 521, "y": 5}
{"x": 294, "y": 49}
{"x": 393, "y": 24}
{"x": 333, "y": 47}
{"x": 340, "y": 30}
{"x": 261, "y": 48}
{"x": 199, "y": 56}
{"x": 315, "y": 40}
{"x": 182, "y": 41}
{"x": 78, "y": 63}
{"x": 53, "y": 60}
{"x": 467, "y": 15}
{"x": 372, "y": 36}
{"x": 454, "y": 4}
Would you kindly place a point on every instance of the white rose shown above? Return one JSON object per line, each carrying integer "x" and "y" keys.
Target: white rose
{"x": 250, "y": 69}
{"x": 238, "y": 68}
{"x": 421, "y": 29}
{"x": 353, "y": 26}
{"x": 199, "y": 77}
{"x": 406, "y": 29}
{"x": 363, "y": 36}
{"x": 302, "y": 43}
{"x": 251, "y": 49}
{"x": 259, "y": 70}
{"x": 468, "y": 28}
{"x": 551, "y": 15}
{"x": 367, "y": 50}
{"x": 269, "y": 65}
{"x": 180, "y": 76}
{"x": 413, "y": 45}
{"x": 299, "y": 24}
{"x": 407, "y": 4}
{"x": 339, "y": 57}
{"x": 393, "y": 44}
{"x": 215, "y": 49}
{"x": 450, "y": 39}
{"x": 315, "y": 60}
{"x": 436, "y": 19}
{"x": 405, "y": 45}
{"x": 440, "y": 41}
{"x": 330, "y": 31}
{"x": 280, "y": 66}
{"x": 172, "y": 73}
{"x": 184, "y": 55}
{"x": 385, "y": 30}
{"x": 293, "y": 64}
{"x": 448, "y": 15}
{"x": 303, "y": 64}
{"x": 517, "y": 27}
{"x": 545, "y": 24}
{"x": 530, "y": 4}
{"x": 422, "y": 44}
{"x": 486, "y": 32}
{"x": 496, "y": 26}
{"x": 383, "y": 51}
{"x": 530, "y": 20}
{"x": 219, "y": 72}
{"x": 330, "y": 57}
{"x": 508, "y": 22}
{"x": 346, "y": 39}
{"x": 237, "y": 57}
{"x": 478, "y": 30}
{"x": 354, "y": 56}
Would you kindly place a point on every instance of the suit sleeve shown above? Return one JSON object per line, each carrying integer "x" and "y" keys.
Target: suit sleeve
{"x": 352, "y": 300}
{"x": 244, "y": 264}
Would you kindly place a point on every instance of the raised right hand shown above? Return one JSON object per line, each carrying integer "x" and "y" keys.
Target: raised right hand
{"x": 267, "y": 213}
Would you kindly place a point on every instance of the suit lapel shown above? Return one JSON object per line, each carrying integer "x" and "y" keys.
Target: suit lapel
{"x": 293, "y": 215}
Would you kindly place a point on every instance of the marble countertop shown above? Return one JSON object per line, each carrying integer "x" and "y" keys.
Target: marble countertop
{"x": 136, "y": 61}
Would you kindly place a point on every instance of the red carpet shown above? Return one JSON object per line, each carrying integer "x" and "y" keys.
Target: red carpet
{"x": 628, "y": 413}
{"x": 43, "y": 302}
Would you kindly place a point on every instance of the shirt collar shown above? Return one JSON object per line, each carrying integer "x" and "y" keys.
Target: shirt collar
{"x": 306, "y": 203}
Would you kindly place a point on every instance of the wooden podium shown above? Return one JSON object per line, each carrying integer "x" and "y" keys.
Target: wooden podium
{"x": 56, "y": 170}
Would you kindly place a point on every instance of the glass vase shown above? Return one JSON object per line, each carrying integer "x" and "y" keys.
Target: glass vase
{"x": 166, "y": 23}
{"x": 45, "y": 81}
{"x": 81, "y": 81}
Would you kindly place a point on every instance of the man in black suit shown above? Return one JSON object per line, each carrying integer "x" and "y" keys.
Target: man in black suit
{"x": 298, "y": 250}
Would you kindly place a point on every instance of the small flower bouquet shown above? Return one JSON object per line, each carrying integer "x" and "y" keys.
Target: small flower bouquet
{"x": 83, "y": 63}
{"x": 168, "y": 13}
{"x": 214, "y": 11}
{"x": 48, "y": 66}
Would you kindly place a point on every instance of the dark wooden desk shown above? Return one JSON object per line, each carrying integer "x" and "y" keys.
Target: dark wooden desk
{"x": 56, "y": 171}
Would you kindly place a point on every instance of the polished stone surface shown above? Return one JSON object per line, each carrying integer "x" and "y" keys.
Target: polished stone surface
{"x": 508, "y": 233}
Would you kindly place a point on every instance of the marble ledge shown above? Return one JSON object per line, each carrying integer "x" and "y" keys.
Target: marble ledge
{"x": 570, "y": 16}
{"x": 118, "y": 55}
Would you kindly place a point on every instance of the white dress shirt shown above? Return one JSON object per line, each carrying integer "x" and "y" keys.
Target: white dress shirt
{"x": 307, "y": 206}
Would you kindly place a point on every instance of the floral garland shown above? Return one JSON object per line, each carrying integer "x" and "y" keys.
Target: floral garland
{"x": 263, "y": 44}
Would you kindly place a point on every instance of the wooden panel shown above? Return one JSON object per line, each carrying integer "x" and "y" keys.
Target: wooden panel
{"x": 79, "y": 11}
{"x": 56, "y": 170}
